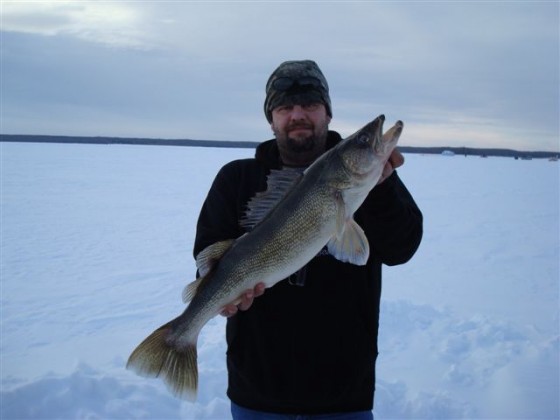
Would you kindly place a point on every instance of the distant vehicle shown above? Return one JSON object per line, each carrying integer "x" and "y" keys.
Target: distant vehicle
{"x": 448, "y": 153}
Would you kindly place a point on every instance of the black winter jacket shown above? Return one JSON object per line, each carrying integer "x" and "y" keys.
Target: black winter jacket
{"x": 309, "y": 349}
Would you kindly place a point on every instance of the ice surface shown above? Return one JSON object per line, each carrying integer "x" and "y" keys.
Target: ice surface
{"x": 96, "y": 246}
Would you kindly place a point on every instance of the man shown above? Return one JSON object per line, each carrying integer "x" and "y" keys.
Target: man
{"x": 308, "y": 346}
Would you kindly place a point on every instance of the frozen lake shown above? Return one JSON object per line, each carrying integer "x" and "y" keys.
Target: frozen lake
{"x": 96, "y": 247}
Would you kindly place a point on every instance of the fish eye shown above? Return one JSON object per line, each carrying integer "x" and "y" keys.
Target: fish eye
{"x": 363, "y": 138}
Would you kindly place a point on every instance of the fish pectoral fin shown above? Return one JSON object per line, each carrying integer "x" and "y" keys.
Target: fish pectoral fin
{"x": 350, "y": 245}
{"x": 209, "y": 256}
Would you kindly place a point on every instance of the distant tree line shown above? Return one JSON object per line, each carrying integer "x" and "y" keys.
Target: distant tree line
{"x": 465, "y": 151}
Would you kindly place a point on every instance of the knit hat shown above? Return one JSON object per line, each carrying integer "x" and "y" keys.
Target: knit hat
{"x": 296, "y": 83}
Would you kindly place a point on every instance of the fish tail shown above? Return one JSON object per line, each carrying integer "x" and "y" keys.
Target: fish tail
{"x": 157, "y": 356}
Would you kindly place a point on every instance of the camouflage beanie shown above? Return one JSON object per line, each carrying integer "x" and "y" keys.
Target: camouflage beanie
{"x": 296, "y": 83}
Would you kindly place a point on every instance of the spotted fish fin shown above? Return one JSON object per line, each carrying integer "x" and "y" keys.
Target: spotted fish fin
{"x": 209, "y": 256}
{"x": 279, "y": 182}
{"x": 350, "y": 244}
{"x": 175, "y": 363}
{"x": 205, "y": 262}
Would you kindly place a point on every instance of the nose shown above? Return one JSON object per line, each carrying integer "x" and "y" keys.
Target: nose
{"x": 298, "y": 113}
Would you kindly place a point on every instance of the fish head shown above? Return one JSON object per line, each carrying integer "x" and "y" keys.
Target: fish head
{"x": 365, "y": 152}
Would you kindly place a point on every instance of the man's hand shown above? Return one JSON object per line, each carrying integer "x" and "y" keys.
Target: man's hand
{"x": 245, "y": 301}
{"x": 395, "y": 160}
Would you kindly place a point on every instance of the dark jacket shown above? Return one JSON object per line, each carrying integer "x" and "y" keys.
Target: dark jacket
{"x": 309, "y": 349}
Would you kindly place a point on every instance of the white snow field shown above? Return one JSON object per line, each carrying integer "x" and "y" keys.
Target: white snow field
{"x": 96, "y": 247}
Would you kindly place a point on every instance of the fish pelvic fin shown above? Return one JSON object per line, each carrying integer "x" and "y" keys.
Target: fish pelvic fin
{"x": 157, "y": 356}
{"x": 350, "y": 244}
{"x": 207, "y": 259}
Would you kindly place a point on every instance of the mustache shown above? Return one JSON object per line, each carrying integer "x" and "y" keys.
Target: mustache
{"x": 297, "y": 125}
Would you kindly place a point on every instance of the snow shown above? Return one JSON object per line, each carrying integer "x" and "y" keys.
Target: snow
{"x": 97, "y": 247}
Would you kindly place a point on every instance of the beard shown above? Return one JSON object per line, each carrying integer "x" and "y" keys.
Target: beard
{"x": 301, "y": 144}
{"x": 304, "y": 149}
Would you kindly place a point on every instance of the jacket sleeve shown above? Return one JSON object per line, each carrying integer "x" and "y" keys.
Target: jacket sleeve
{"x": 219, "y": 215}
{"x": 226, "y": 202}
{"x": 392, "y": 222}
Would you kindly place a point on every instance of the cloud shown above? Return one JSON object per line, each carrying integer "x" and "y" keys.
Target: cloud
{"x": 110, "y": 23}
{"x": 485, "y": 73}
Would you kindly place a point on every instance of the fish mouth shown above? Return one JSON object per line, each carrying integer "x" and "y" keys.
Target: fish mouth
{"x": 381, "y": 142}
{"x": 371, "y": 135}
{"x": 393, "y": 134}
{"x": 375, "y": 127}
{"x": 397, "y": 129}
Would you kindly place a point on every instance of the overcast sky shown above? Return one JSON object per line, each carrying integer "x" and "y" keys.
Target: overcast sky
{"x": 458, "y": 73}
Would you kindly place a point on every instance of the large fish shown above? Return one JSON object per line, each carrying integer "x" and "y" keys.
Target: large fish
{"x": 289, "y": 224}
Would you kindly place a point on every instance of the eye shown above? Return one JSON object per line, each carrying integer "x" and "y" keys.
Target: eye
{"x": 283, "y": 109}
{"x": 312, "y": 107}
{"x": 363, "y": 138}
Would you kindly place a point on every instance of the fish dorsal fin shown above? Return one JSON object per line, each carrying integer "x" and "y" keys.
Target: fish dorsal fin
{"x": 349, "y": 243}
{"x": 206, "y": 260}
{"x": 279, "y": 182}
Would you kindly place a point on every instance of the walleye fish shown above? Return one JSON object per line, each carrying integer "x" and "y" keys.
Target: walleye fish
{"x": 316, "y": 210}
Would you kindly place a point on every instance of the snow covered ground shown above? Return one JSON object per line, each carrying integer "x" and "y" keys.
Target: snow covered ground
{"x": 96, "y": 246}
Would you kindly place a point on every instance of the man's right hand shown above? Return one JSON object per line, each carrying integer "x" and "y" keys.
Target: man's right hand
{"x": 246, "y": 301}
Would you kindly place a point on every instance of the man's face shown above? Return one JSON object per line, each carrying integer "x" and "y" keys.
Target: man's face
{"x": 301, "y": 132}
